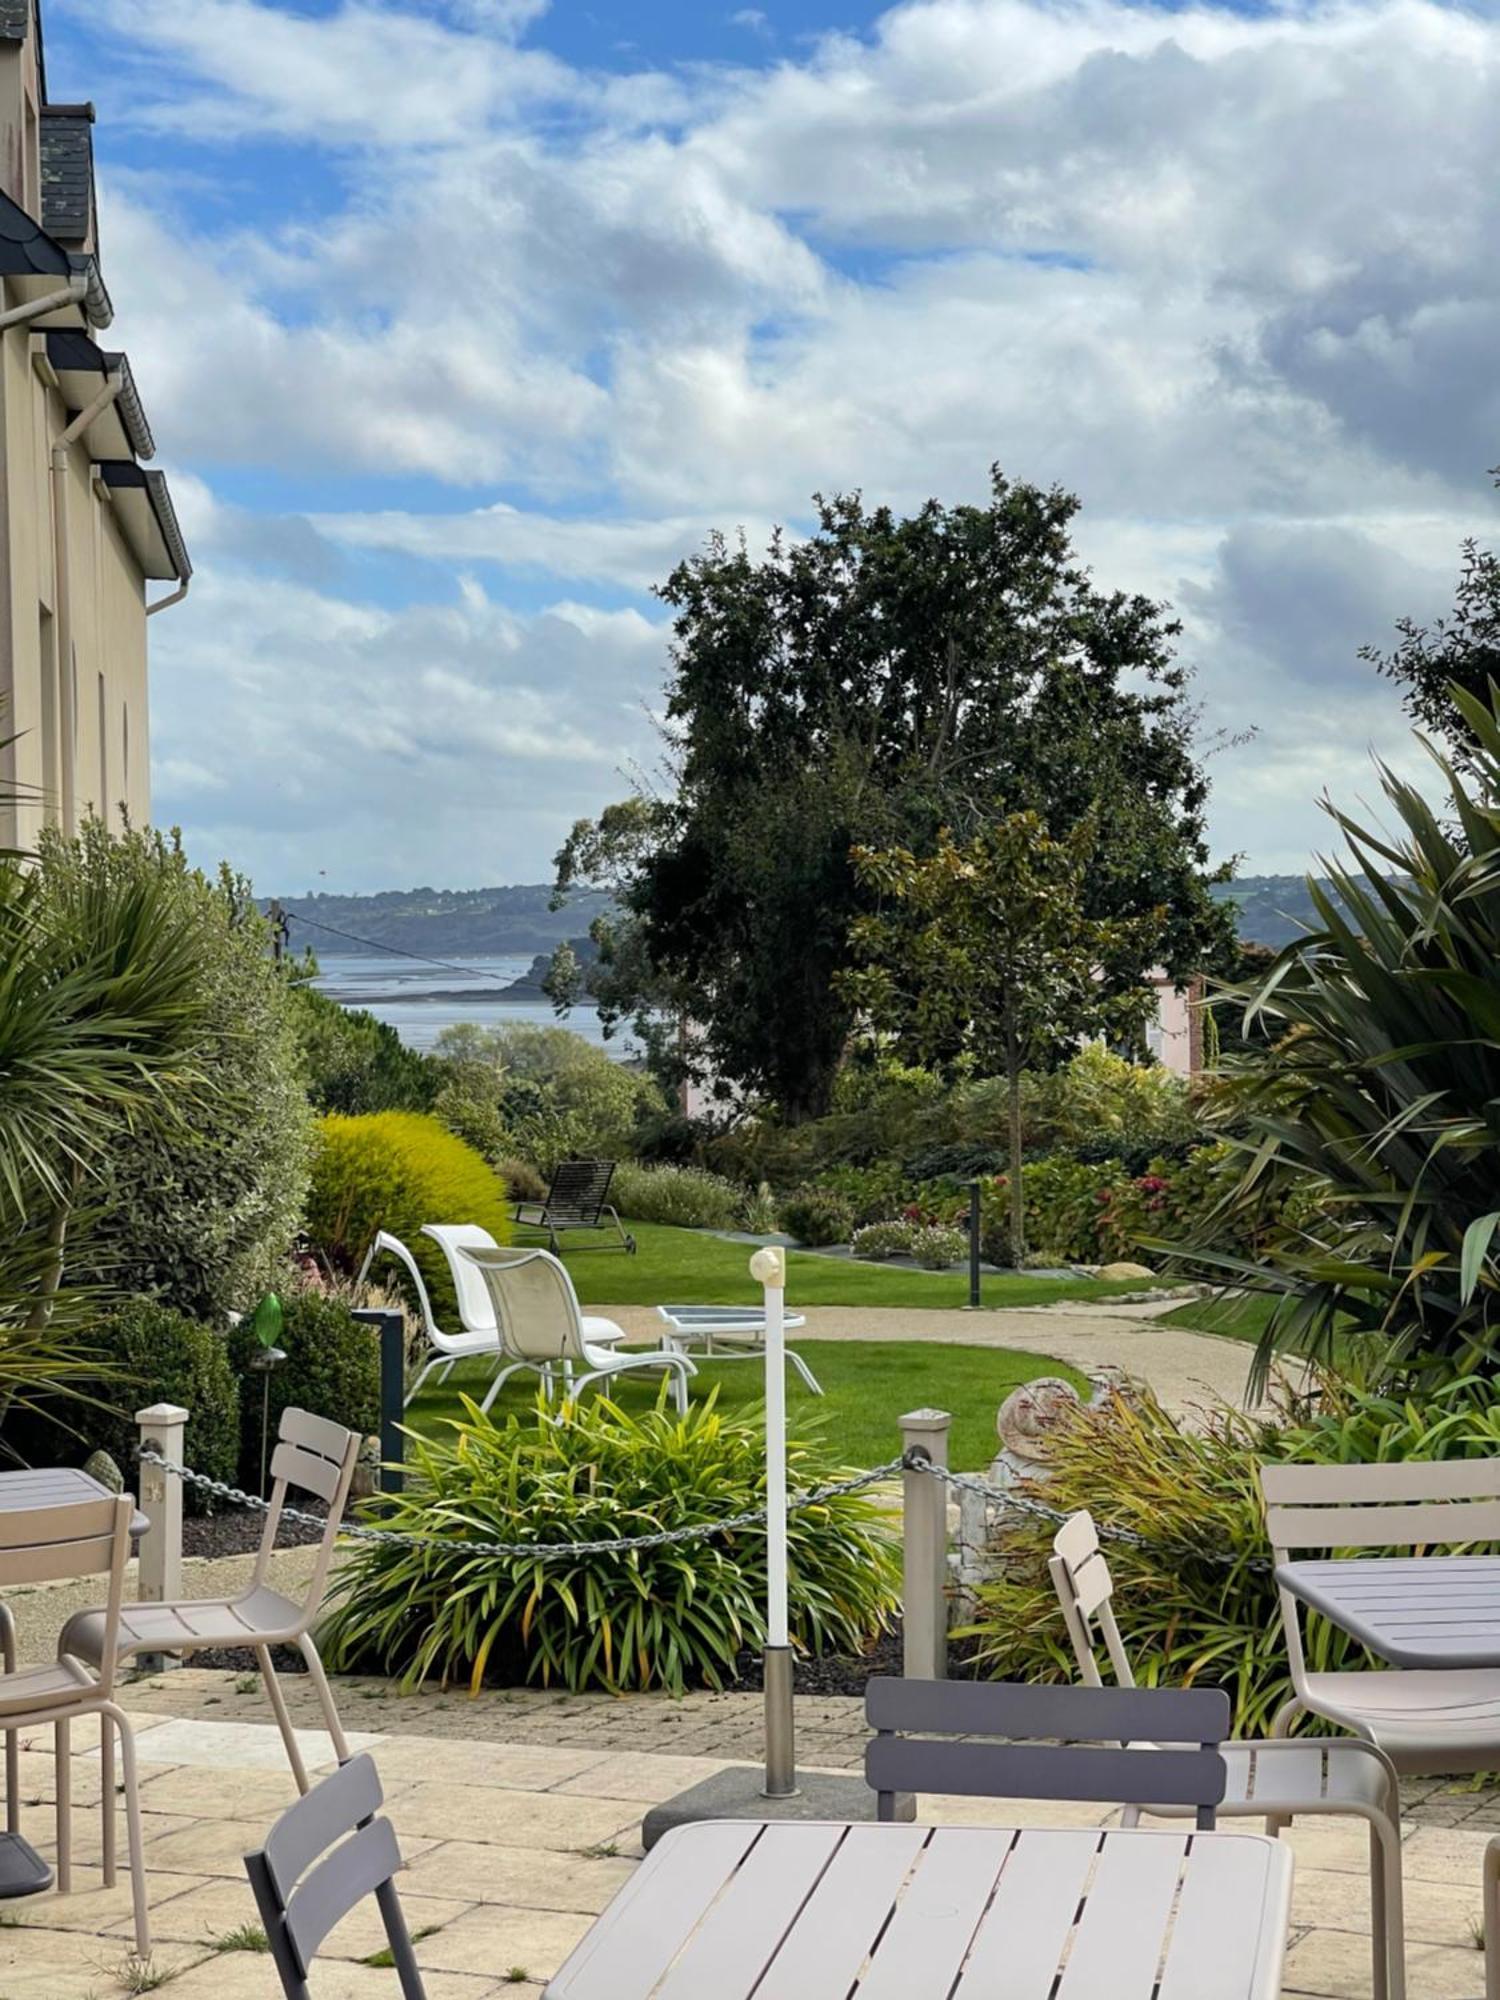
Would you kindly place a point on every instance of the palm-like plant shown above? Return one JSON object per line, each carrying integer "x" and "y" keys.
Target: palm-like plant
{"x": 1370, "y": 1119}
{"x": 99, "y": 1022}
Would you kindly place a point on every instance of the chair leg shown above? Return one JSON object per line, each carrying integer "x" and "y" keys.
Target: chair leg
{"x": 1388, "y": 1903}
{"x": 133, "y": 1830}
{"x": 804, "y": 1371}
{"x": 421, "y": 1376}
{"x": 1491, "y": 1919}
{"x": 324, "y": 1693}
{"x": 107, "y": 1798}
{"x": 502, "y": 1376}
{"x": 403, "y": 1957}
{"x": 12, "y": 1736}
{"x": 283, "y": 1720}
{"x": 62, "y": 1751}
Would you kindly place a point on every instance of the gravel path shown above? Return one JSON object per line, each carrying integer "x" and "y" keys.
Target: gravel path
{"x": 1186, "y": 1369}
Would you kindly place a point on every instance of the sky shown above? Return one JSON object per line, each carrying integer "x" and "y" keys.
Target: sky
{"x": 459, "y": 322}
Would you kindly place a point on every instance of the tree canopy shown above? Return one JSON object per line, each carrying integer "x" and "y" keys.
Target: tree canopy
{"x": 869, "y": 685}
{"x": 1459, "y": 652}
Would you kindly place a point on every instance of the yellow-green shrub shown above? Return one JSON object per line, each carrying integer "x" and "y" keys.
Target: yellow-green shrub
{"x": 395, "y": 1170}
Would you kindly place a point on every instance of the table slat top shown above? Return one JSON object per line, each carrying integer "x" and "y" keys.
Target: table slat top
{"x": 1414, "y": 1611}
{"x": 26, "y": 1487}
{"x": 838, "y": 1912}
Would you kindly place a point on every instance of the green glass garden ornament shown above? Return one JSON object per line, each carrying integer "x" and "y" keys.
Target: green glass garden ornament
{"x": 267, "y": 1320}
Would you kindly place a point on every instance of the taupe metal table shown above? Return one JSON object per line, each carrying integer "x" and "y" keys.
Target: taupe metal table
{"x": 1415, "y": 1611}
{"x": 22, "y": 1870}
{"x": 54, "y": 1486}
{"x": 722, "y": 1910}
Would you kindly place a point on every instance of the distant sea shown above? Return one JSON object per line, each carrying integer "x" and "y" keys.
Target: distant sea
{"x": 419, "y": 1001}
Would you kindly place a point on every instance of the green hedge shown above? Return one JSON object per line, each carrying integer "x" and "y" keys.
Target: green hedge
{"x": 332, "y": 1368}
{"x": 163, "y": 1357}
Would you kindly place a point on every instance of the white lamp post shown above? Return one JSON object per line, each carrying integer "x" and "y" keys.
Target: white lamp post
{"x": 768, "y": 1268}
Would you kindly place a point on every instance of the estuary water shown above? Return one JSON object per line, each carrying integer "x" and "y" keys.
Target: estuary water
{"x": 419, "y": 1001}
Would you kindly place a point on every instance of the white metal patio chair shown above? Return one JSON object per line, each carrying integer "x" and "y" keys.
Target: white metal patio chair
{"x": 542, "y": 1329}
{"x": 322, "y": 1857}
{"x": 1429, "y": 1720}
{"x": 312, "y": 1455}
{"x": 46, "y": 1545}
{"x": 478, "y": 1334}
{"x": 1273, "y": 1779}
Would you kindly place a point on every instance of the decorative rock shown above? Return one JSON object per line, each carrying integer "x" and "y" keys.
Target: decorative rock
{"x": 1030, "y": 1416}
{"x": 1126, "y": 1271}
{"x": 99, "y": 1465}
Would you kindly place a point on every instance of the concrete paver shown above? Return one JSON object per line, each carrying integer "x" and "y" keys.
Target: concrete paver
{"x": 514, "y": 1848}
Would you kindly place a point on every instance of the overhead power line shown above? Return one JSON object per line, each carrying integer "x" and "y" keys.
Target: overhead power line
{"x": 399, "y": 951}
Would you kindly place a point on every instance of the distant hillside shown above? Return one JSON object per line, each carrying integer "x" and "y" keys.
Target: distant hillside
{"x": 1272, "y": 909}
{"x": 515, "y": 921}
{"x": 442, "y": 923}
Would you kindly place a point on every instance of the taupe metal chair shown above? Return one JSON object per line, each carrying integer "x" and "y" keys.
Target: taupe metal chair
{"x": 1428, "y": 1720}
{"x": 1095, "y": 1760}
{"x": 325, "y": 1854}
{"x": 1273, "y": 1780}
{"x": 312, "y": 1455}
{"x": 47, "y": 1545}
{"x": 1492, "y": 1920}
{"x": 542, "y": 1329}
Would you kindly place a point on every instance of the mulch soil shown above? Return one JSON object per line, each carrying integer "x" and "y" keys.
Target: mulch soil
{"x": 236, "y": 1532}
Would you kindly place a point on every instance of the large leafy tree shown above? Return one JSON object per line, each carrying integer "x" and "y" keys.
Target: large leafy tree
{"x": 868, "y": 685}
{"x": 1457, "y": 652}
{"x": 982, "y": 957}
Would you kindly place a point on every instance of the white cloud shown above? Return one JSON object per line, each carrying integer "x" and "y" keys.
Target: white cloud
{"x": 1230, "y": 275}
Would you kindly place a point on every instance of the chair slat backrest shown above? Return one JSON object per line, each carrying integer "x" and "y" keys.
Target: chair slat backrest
{"x": 536, "y": 1308}
{"x": 78, "y": 1538}
{"x": 579, "y": 1191}
{"x": 1089, "y": 1763}
{"x": 323, "y": 1856}
{"x": 315, "y": 1456}
{"x": 1413, "y": 1504}
{"x": 476, "y": 1309}
{"x": 1085, "y": 1590}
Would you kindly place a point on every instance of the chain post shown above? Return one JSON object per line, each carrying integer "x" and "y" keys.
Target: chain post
{"x": 159, "y": 1580}
{"x": 391, "y": 1327}
{"x": 924, "y": 1546}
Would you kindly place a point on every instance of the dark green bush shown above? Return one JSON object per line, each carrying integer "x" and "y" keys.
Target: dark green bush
{"x": 162, "y": 1357}
{"x": 669, "y": 1617}
{"x": 332, "y": 1368}
{"x": 815, "y": 1216}
{"x": 354, "y": 1063}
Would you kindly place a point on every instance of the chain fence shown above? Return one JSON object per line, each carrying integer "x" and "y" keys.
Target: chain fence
{"x": 1004, "y": 1497}
{"x": 661, "y": 1538}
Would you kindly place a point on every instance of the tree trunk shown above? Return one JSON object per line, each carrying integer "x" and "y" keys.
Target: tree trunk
{"x": 57, "y": 1233}
{"x": 1017, "y": 1201}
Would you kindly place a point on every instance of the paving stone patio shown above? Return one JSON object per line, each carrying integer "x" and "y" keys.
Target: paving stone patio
{"x": 519, "y": 1816}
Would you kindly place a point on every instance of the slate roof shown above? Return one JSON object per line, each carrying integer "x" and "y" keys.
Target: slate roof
{"x": 15, "y": 19}
{"x": 67, "y": 170}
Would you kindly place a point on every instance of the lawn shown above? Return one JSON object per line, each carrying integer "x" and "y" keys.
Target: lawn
{"x": 689, "y": 1267}
{"x": 1239, "y": 1316}
{"x": 867, "y": 1385}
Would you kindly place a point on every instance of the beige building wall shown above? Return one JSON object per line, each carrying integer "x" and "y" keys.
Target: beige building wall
{"x": 101, "y": 764}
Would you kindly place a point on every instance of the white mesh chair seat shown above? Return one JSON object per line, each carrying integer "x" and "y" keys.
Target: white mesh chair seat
{"x": 542, "y": 1329}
